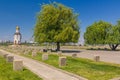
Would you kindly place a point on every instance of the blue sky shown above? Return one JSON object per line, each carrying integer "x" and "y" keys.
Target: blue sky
{"x": 23, "y": 13}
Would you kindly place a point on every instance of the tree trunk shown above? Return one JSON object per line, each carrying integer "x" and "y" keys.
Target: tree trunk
{"x": 58, "y": 46}
{"x": 113, "y": 46}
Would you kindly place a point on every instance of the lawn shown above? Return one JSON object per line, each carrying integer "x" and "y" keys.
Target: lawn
{"x": 84, "y": 67}
{"x": 7, "y": 73}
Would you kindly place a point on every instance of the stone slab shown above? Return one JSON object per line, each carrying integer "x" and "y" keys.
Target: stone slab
{"x": 17, "y": 65}
{"x": 97, "y": 58}
{"x": 9, "y": 58}
{"x": 44, "y": 56}
{"x": 74, "y": 55}
{"x": 62, "y": 61}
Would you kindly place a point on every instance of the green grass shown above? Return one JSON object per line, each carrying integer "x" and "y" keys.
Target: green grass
{"x": 84, "y": 67}
{"x": 7, "y": 73}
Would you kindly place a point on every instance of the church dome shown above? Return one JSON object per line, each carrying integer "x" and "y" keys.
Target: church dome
{"x": 17, "y": 28}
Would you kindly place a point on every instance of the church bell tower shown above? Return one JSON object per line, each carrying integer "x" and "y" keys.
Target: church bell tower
{"x": 17, "y": 36}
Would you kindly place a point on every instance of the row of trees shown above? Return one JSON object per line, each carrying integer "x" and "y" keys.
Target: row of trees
{"x": 102, "y": 32}
{"x": 59, "y": 24}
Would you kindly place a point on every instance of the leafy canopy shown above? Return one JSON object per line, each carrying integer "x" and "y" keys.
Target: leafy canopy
{"x": 97, "y": 32}
{"x": 113, "y": 35}
{"x": 56, "y": 23}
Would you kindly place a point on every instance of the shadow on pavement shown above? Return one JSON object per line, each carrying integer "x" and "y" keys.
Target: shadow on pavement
{"x": 71, "y": 51}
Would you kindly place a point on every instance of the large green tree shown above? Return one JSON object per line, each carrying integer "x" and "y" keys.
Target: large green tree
{"x": 103, "y": 33}
{"x": 56, "y": 23}
{"x": 96, "y": 33}
{"x": 113, "y": 36}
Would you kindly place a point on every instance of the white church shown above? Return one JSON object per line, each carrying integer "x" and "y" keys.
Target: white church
{"x": 17, "y": 36}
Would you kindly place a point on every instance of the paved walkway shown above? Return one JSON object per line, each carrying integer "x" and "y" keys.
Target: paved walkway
{"x": 43, "y": 71}
{"x": 106, "y": 56}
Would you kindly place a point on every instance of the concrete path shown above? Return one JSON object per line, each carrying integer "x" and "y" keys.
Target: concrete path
{"x": 43, "y": 71}
{"x": 106, "y": 56}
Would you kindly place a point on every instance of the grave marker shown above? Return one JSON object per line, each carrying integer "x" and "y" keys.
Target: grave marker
{"x": 9, "y": 58}
{"x": 62, "y": 61}
{"x": 97, "y": 58}
{"x": 17, "y": 65}
{"x": 44, "y": 56}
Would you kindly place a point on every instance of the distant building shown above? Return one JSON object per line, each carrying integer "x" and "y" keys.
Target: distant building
{"x": 17, "y": 36}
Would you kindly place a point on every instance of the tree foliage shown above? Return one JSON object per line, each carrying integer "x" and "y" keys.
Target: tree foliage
{"x": 96, "y": 33}
{"x": 113, "y": 36}
{"x": 103, "y": 33}
{"x": 56, "y": 23}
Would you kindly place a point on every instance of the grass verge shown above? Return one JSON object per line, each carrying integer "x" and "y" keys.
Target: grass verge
{"x": 7, "y": 73}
